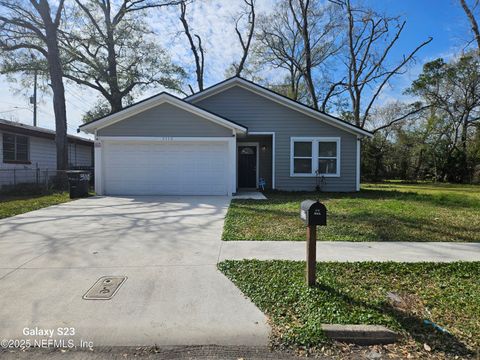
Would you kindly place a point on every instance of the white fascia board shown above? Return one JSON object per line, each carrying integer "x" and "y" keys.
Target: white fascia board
{"x": 151, "y": 103}
{"x": 279, "y": 99}
{"x": 144, "y": 139}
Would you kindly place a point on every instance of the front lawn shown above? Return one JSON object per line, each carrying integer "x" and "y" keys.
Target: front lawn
{"x": 14, "y": 205}
{"x": 356, "y": 293}
{"x": 379, "y": 212}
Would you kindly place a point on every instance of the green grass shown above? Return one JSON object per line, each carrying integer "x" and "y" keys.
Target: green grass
{"x": 356, "y": 293}
{"x": 379, "y": 212}
{"x": 15, "y": 205}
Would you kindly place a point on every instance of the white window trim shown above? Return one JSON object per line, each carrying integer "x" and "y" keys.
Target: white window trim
{"x": 315, "y": 157}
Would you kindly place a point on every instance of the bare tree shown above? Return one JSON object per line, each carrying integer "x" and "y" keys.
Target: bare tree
{"x": 279, "y": 45}
{"x": 299, "y": 37}
{"x": 32, "y": 26}
{"x": 473, "y": 22}
{"x": 245, "y": 43}
{"x": 301, "y": 20}
{"x": 316, "y": 26}
{"x": 370, "y": 39}
{"x": 196, "y": 47}
{"x": 107, "y": 49}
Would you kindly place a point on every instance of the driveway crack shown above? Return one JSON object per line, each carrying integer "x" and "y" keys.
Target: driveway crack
{"x": 25, "y": 263}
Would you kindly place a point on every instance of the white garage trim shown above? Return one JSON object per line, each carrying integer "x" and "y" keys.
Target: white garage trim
{"x": 98, "y": 167}
{"x": 102, "y": 142}
{"x": 162, "y": 138}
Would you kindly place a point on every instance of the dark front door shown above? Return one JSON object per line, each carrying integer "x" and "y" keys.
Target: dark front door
{"x": 247, "y": 166}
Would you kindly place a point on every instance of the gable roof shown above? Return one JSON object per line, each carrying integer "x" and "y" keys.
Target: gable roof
{"x": 25, "y": 129}
{"x": 154, "y": 101}
{"x": 283, "y": 100}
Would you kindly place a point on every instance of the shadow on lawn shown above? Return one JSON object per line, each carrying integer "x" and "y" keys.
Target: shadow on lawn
{"x": 371, "y": 226}
{"x": 441, "y": 199}
{"x": 410, "y": 324}
{"x": 368, "y": 224}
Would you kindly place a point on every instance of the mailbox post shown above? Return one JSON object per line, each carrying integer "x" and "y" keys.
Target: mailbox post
{"x": 314, "y": 214}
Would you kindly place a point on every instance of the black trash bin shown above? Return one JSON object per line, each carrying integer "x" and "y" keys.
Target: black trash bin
{"x": 78, "y": 181}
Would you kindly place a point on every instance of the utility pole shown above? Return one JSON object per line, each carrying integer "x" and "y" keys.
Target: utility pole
{"x": 33, "y": 99}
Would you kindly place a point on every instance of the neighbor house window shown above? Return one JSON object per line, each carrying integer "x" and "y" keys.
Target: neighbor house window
{"x": 312, "y": 156}
{"x": 15, "y": 148}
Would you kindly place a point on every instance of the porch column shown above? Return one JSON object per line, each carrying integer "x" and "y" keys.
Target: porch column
{"x": 232, "y": 154}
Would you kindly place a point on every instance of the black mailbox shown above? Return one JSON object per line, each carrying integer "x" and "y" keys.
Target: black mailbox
{"x": 313, "y": 213}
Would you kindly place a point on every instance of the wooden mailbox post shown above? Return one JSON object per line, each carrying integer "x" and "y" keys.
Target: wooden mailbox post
{"x": 314, "y": 214}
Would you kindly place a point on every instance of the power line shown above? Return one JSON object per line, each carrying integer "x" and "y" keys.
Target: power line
{"x": 76, "y": 96}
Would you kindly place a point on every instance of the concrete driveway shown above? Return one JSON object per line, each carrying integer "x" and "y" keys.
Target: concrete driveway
{"x": 168, "y": 248}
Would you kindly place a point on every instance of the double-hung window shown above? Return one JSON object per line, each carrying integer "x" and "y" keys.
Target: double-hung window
{"x": 15, "y": 148}
{"x": 312, "y": 156}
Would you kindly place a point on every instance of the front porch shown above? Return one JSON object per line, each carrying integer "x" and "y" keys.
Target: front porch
{"x": 255, "y": 161}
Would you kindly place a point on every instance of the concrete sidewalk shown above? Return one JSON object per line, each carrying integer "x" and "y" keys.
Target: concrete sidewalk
{"x": 352, "y": 251}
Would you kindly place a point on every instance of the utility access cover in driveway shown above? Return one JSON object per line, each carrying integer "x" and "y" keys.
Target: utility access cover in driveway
{"x": 105, "y": 288}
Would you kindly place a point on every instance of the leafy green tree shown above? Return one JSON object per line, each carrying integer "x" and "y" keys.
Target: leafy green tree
{"x": 453, "y": 91}
{"x": 109, "y": 48}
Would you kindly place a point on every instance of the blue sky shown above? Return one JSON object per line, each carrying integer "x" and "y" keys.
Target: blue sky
{"x": 443, "y": 20}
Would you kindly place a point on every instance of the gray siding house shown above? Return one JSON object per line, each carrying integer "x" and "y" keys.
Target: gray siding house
{"x": 233, "y": 135}
{"x": 25, "y": 148}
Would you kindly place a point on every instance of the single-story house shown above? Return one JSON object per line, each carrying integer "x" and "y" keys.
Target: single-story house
{"x": 233, "y": 135}
{"x": 25, "y": 148}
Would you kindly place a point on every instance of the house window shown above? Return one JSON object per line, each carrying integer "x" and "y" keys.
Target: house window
{"x": 312, "y": 156}
{"x": 302, "y": 157}
{"x": 15, "y": 148}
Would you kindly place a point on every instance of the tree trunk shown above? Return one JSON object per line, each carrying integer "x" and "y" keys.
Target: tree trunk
{"x": 303, "y": 26}
{"x": 464, "y": 166}
{"x": 308, "y": 57}
{"x": 116, "y": 103}
{"x": 56, "y": 78}
{"x": 473, "y": 23}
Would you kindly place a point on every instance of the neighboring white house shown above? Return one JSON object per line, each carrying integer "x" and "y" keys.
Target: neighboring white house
{"x": 27, "y": 148}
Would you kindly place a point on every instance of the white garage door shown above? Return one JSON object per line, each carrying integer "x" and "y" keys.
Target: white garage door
{"x": 167, "y": 168}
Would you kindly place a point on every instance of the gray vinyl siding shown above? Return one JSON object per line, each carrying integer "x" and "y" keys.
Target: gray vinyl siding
{"x": 259, "y": 113}
{"x": 165, "y": 120}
